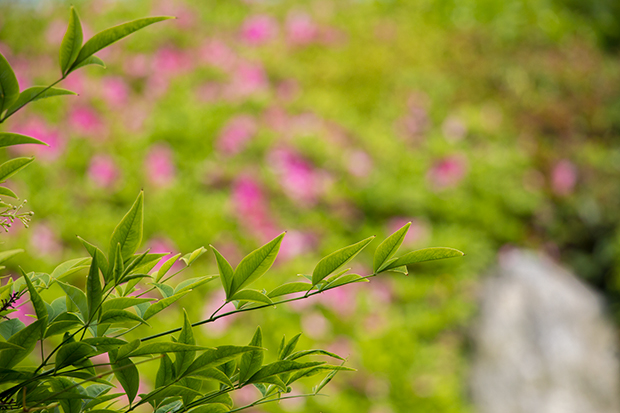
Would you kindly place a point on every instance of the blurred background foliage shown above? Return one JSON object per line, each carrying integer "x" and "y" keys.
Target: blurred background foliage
{"x": 487, "y": 124}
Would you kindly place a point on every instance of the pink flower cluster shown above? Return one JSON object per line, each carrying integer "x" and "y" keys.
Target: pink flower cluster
{"x": 299, "y": 179}
{"x": 447, "y": 172}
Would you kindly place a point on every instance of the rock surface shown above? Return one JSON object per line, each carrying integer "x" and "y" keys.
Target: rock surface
{"x": 543, "y": 343}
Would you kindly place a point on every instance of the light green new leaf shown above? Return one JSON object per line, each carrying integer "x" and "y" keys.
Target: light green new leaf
{"x": 252, "y": 361}
{"x": 286, "y": 350}
{"x": 9, "y": 88}
{"x": 226, "y": 271}
{"x": 127, "y": 375}
{"x": 345, "y": 279}
{"x": 315, "y": 370}
{"x": 213, "y": 358}
{"x": 120, "y": 316}
{"x": 165, "y": 267}
{"x": 11, "y": 139}
{"x": 161, "y": 304}
{"x": 12, "y": 166}
{"x": 389, "y": 246}
{"x": 121, "y": 303}
{"x": 426, "y": 254}
{"x": 111, "y": 35}
{"x": 71, "y": 353}
{"x": 279, "y": 367}
{"x": 128, "y": 232}
{"x": 289, "y": 288}
{"x": 101, "y": 258}
{"x": 37, "y": 301}
{"x": 304, "y": 353}
{"x": 337, "y": 259}
{"x": 193, "y": 256}
{"x": 33, "y": 94}
{"x": 6, "y": 255}
{"x": 212, "y": 374}
{"x": 325, "y": 381}
{"x": 255, "y": 264}
{"x": 7, "y": 192}
{"x": 251, "y": 295}
{"x": 165, "y": 373}
{"x": 94, "y": 293}
{"x": 26, "y": 338}
{"x": 165, "y": 347}
{"x": 192, "y": 283}
{"x": 77, "y": 297}
{"x": 185, "y": 358}
{"x": 71, "y": 42}
{"x": 117, "y": 266}
{"x": 148, "y": 263}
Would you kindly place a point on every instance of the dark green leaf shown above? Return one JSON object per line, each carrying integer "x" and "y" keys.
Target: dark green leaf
{"x": 170, "y": 391}
{"x": 255, "y": 264}
{"x": 105, "y": 344}
{"x": 226, "y": 271}
{"x": 337, "y": 259}
{"x": 120, "y": 316}
{"x": 252, "y": 361}
{"x": 426, "y": 254}
{"x": 71, "y": 42}
{"x": 94, "y": 293}
{"x": 63, "y": 323}
{"x": 289, "y": 288}
{"x": 117, "y": 266}
{"x": 10, "y": 139}
{"x": 304, "y": 353}
{"x": 251, "y": 295}
{"x": 161, "y": 304}
{"x": 389, "y": 246}
{"x": 33, "y": 94}
{"x": 165, "y": 374}
{"x": 128, "y": 233}
{"x": 210, "y": 408}
{"x": 185, "y": 358}
{"x": 212, "y": 374}
{"x": 157, "y": 348}
{"x": 72, "y": 353}
{"x": 121, "y": 303}
{"x": 25, "y": 338}
{"x": 279, "y": 367}
{"x": 37, "y": 301}
{"x": 101, "y": 258}
{"x": 213, "y": 358}
{"x": 127, "y": 375}
{"x": 5, "y": 346}
{"x": 9, "y": 88}
{"x": 126, "y": 349}
{"x": 12, "y": 166}
{"x": 111, "y": 35}
{"x": 77, "y": 297}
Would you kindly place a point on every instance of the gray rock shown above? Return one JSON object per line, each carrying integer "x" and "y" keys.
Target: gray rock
{"x": 543, "y": 343}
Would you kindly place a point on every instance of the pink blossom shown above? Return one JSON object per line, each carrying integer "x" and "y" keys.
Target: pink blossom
{"x": 300, "y": 28}
{"x": 23, "y": 311}
{"x": 171, "y": 60}
{"x": 259, "y": 29}
{"x": 115, "y": 91}
{"x": 247, "y": 80}
{"x": 453, "y": 129}
{"x": 44, "y": 241}
{"x": 103, "y": 171}
{"x": 447, "y": 172}
{"x": 236, "y": 133}
{"x": 288, "y": 90}
{"x": 297, "y": 176}
{"x": 359, "y": 163}
{"x": 159, "y": 165}
{"x": 209, "y": 92}
{"x": 55, "y": 32}
{"x": 276, "y": 119}
{"x": 76, "y": 82}
{"x": 418, "y": 232}
{"x": 315, "y": 325}
{"x": 563, "y": 178}
{"x": 137, "y": 65}
{"x": 252, "y": 209}
{"x": 219, "y": 326}
{"x": 217, "y": 53}
{"x": 85, "y": 120}
{"x": 296, "y": 243}
{"x": 38, "y": 128}
{"x": 340, "y": 300}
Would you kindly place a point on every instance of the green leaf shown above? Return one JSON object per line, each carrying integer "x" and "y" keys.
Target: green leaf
{"x": 251, "y": 295}
{"x": 193, "y": 256}
{"x": 10, "y": 327}
{"x": 5, "y": 346}
{"x": 289, "y": 348}
{"x": 426, "y": 254}
{"x": 9, "y": 88}
{"x": 70, "y": 396}
{"x": 111, "y": 35}
{"x": 93, "y": 60}
{"x": 161, "y": 304}
{"x": 185, "y": 358}
{"x": 120, "y": 316}
{"x": 77, "y": 297}
{"x": 212, "y": 374}
{"x": 304, "y": 353}
{"x": 12, "y": 166}
{"x": 289, "y": 288}
{"x": 315, "y": 370}
{"x": 255, "y": 264}
{"x": 226, "y": 271}
{"x": 126, "y": 349}
{"x": 33, "y": 94}
{"x": 128, "y": 232}
{"x": 165, "y": 347}
{"x": 6, "y": 255}
{"x": 389, "y": 246}
{"x": 210, "y": 408}
{"x": 25, "y": 338}
{"x": 165, "y": 267}
{"x": 37, "y": 301}
{"x": 94, "y": 293}
{"x": 71, "y": 353}
{"x": 165, "y": 373}
{"x": 71, "y": 42}
{"x": 337, "y": 259}
{"x": 170, "y": 391}
{"x": 325, "y": 381}
{"x": 101, "y": 258}
{"x": 213, "y": 358}
{"x": 147, "y": 263}
{"x": 279, "y": 367}
{"x": 121, "y": 303}
{"x": 11, "y": 139}
{"x": 105, "y": 344}
{"x": 402, "y": 270}
{"x": 128, "y": 376}
{"x": 117, "y": 266}
{"x": 193, "y": 283}
{"x": 63, "y": 323}
{"x": 7, "y": 192}
{"x": 252, "y": 361}
{"x": 345, "y": 279}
